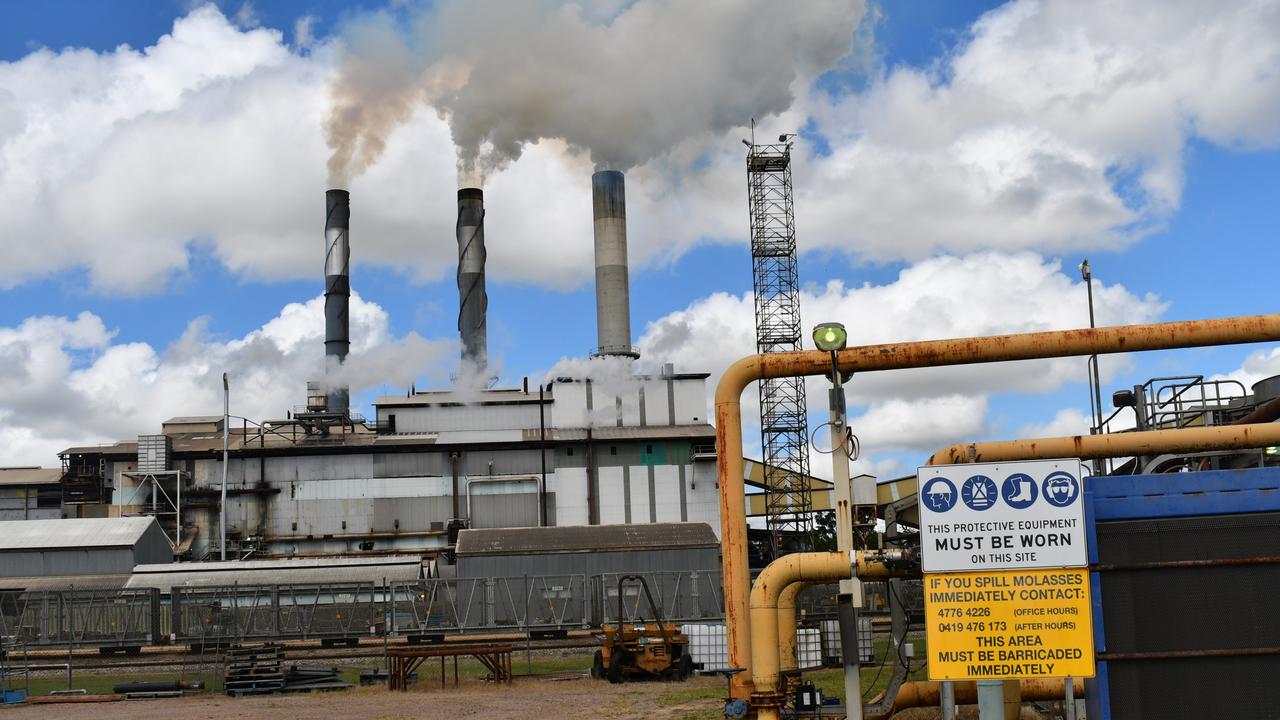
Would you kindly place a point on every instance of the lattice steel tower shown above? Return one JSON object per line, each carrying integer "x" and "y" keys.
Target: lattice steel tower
{"x": 784, "y": 423}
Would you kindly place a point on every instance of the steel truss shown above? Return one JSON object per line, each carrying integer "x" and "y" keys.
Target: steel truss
{"x": 784, "y": 422}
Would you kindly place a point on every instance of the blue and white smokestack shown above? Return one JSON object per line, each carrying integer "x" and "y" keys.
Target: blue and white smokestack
{"x": 473, "y": 302}
{"x": 337, "y": 291}
{"x": 613, "y": 297}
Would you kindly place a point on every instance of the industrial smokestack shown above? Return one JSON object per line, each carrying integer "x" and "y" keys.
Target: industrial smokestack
{"x": 473, "y": 303}
{"x": 337, "y": 290}
{"x": 613, "y": 299}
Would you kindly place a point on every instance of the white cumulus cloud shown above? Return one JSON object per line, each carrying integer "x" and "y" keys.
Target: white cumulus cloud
{"x": 67, "y": 382}
{"x": 984, "y": 294}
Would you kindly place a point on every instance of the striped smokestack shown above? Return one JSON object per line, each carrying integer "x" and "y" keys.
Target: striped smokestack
{"x": 337, "y": 291}
{"x": 613, "y": 303}
{"x": 473, "y": 303}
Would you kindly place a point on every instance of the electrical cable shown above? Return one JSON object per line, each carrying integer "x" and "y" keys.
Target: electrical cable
{"x": 852, "y": 445}
{"x": 906, "y": 626}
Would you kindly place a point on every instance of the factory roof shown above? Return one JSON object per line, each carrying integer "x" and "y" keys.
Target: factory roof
{"x": 450, "y": 398}
{"x": 609, "y": 432}
{"x": 193, "y": 420}
{"x": 73, "y": 534}
{"x": 672, "y": 376}
{"x": 331, "y": 570}
{"x": 283, "y": 440}
{"x": 29, "y": 476}
{"x": 64, "y": 582}
{"x": 585, "y": 538}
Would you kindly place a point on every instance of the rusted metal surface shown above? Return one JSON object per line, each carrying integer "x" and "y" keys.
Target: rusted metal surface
{"x": 935, "y": 353}
{"x": 1169, "y": 654}
{"x": 787, "y": 626}
{"x": 1174, "y": 564}
{"x": 769, "y": 586}
{"x": 777, "y": 580}
{"x": 404, "y": 660}
{"x": 1149, "y": 442}
{"x": 928, "y": 694}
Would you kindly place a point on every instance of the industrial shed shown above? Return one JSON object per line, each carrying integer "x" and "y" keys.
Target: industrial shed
{"x": 30, "y": 493}
{"x": 587, "y": 550}
{"x": 80, "y": 547}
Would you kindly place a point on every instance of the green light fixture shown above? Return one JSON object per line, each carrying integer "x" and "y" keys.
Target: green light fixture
{"x": 830, "y": 337}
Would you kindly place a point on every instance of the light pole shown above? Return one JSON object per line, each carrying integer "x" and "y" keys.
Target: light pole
{"x": 222, "y": 504}
{"x": 1095, "y": 386}
{"x": 832, "y": 338}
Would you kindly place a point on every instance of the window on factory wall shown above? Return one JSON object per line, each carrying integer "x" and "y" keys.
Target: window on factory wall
{"x": 569, "y": 452}
{"x": 613, "y": 449}
{"x": 49, "y": 498}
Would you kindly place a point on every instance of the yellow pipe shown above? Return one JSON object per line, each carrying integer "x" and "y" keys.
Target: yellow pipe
{"x": 1000, "y": 348}
{"x": 772, "y": 582}
{"x": 1148, "y": 442}
{"x": 768, "y": 588}
{"x": 929, "y": 694}
{"x": 787, "y": 627}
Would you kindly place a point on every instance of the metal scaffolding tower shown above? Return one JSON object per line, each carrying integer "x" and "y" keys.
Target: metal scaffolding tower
{"x": 784, "y": 423}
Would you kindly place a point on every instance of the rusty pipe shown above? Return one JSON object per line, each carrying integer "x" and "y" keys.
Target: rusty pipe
{"x": 1264, "y": 413}
{"x": 929, "y": 694}
{"x": 934, "y": 353}
{"x": 1148, "y": 442}
{"x": 787, "y": 640}
{"x": 773, "y": 581}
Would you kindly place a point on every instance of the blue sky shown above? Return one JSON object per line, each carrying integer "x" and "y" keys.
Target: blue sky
{"x": 1195, "y": 251}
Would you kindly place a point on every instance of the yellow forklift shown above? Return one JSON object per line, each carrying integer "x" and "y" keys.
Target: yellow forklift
{"x": 641, "y": 650}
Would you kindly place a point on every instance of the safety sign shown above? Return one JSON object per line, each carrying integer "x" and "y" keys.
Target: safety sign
{"x": 1009, "y": 624}
{"x": 1002, "y": 516}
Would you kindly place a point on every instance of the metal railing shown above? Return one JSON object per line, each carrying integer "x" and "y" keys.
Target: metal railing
{"x": 240, "y": 613}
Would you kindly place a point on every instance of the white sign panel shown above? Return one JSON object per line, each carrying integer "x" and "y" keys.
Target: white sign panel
{"x": 1002, "y": 516}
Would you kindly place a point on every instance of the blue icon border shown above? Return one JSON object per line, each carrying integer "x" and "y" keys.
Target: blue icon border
{"x": 1075, "y": 483}
{"x": 1035, "y": 492}
{"x": 955, "y": 494}
{"x": 995, "y": 493}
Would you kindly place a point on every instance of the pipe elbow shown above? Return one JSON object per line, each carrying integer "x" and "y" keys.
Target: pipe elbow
{"x": 736, "y": 378}
{"x": 799, "y": 566}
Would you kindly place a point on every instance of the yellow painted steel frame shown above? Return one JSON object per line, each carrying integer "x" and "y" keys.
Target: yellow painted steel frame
{"x": 962, "y": 351}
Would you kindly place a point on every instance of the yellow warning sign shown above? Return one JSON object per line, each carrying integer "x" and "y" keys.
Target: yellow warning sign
{"x": 1009, "y": 624}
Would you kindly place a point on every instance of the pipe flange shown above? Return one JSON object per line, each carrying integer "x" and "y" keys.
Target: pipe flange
{"x": 765, "y": 700}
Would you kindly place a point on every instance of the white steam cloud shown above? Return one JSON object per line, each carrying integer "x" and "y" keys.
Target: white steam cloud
{"x": 622, "y": 88}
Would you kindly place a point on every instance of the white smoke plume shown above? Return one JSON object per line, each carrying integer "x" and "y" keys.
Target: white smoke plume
{"x": 399, "y": 362}
{"x": 622, "y": 87}
{"x": 612, "y": 377}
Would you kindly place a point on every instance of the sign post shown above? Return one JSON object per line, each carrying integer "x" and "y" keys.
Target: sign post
{"x": 1006, "y": 582}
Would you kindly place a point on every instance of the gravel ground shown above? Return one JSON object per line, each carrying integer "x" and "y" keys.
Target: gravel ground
{"x": 553, "y": 697}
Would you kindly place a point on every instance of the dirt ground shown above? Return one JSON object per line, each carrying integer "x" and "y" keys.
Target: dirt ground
{"x": 553, "y": 697}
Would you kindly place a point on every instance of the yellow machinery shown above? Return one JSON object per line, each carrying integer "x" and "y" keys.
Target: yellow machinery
{"x": 642, "y": 650}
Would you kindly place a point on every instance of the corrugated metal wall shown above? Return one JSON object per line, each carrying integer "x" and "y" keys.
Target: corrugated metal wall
{"x": 23, "y": 504}
{"x": 93, "y": 561}
{"x": 505, "y": 510}
{"x": 590, "y": 563}
{"x": 470, "y": 417}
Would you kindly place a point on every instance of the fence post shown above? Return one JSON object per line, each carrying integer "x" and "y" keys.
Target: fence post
{"x": 490, "y": 618}
{"x": 693, "y": 593}
{"x": 275, "y": 610}
{"x": 154, "y": 603}
{"x": 175, "y": 615}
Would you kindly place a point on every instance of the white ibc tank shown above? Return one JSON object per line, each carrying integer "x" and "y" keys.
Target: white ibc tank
{"x": 708, "y": 646}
